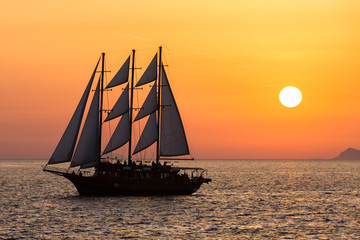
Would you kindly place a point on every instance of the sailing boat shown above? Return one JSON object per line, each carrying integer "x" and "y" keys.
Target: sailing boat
{"x": 94, "y": 174}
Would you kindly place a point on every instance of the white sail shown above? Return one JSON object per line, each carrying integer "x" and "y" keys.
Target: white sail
{"x": 87, "y": 150}
{"x": 65, "y": 148}
{"x": 150, "y": 73}
{"x": 172, "y": 135}
{"x": 120, "y": 136}
{"x": 150, "y": 104}
{"x": 121, "y": 106}
{"x": 149, "y": 135}
{"x": 121, "y": 76}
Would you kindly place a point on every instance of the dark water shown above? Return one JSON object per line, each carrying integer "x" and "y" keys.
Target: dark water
{"x": 248, "y": 199}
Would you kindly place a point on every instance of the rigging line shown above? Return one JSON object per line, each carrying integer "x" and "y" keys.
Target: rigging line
{"x": 107, "y": 101}
{"x": 145, "y": 49}
{"x": 108, "y": 107}
{"x": 141, "y": 126}
{"x": 145, "y": 59}
{"x": 137, "y": 102}
{"x": 101, "y": 96}
{"x": 134, "y": 78}
{"x": 163, "y": 45}
{"x": 138, "y": 122}
{"x": 159, "y": 106}
{"x": 118, "y": 51}
{"x": 130, "y": 110}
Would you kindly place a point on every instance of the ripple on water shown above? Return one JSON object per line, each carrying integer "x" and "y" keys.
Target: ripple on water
{"x": 275, "y": 199}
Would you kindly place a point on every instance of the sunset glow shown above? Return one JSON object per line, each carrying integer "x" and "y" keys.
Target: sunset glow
{"x": 227, "y": 62}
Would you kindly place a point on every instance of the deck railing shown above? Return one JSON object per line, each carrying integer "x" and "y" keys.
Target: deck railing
{"x": 189, "y": 171}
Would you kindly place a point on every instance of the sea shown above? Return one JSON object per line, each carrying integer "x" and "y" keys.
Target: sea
{"x": 247, "y": 199}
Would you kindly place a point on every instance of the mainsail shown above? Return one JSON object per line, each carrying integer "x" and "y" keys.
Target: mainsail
{"x": 173, "y": 139}
{"x": 86, "y": 153}
{"x": 65, "y": 148}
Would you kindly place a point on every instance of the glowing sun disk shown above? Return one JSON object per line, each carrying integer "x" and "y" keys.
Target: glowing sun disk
{"x": 290, "y": 96}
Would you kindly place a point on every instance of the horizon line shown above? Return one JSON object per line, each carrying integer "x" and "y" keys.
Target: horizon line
{"x": 202, "y": 159}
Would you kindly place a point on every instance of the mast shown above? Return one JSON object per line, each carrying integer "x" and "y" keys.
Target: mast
{"x": 101, "y": 101}
{"x": 131, "y": 100}
{"x": 159, "y": 106}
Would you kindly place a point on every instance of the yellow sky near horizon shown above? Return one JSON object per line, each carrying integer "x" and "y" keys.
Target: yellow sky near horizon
{"x": 228, "y": 61}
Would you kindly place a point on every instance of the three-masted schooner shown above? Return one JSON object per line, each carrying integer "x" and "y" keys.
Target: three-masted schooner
{"x": 163, "y": 127}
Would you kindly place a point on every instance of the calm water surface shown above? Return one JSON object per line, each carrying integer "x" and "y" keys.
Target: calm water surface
{"x": 248, "y": 199}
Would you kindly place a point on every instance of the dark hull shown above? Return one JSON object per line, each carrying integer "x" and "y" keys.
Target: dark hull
{"x": 112, "y": 185}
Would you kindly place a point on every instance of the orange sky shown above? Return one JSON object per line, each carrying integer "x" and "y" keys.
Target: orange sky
{"x": 228, "y": 61}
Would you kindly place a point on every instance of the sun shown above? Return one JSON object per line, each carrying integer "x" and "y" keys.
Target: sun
{"x": 290, "y": 96}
